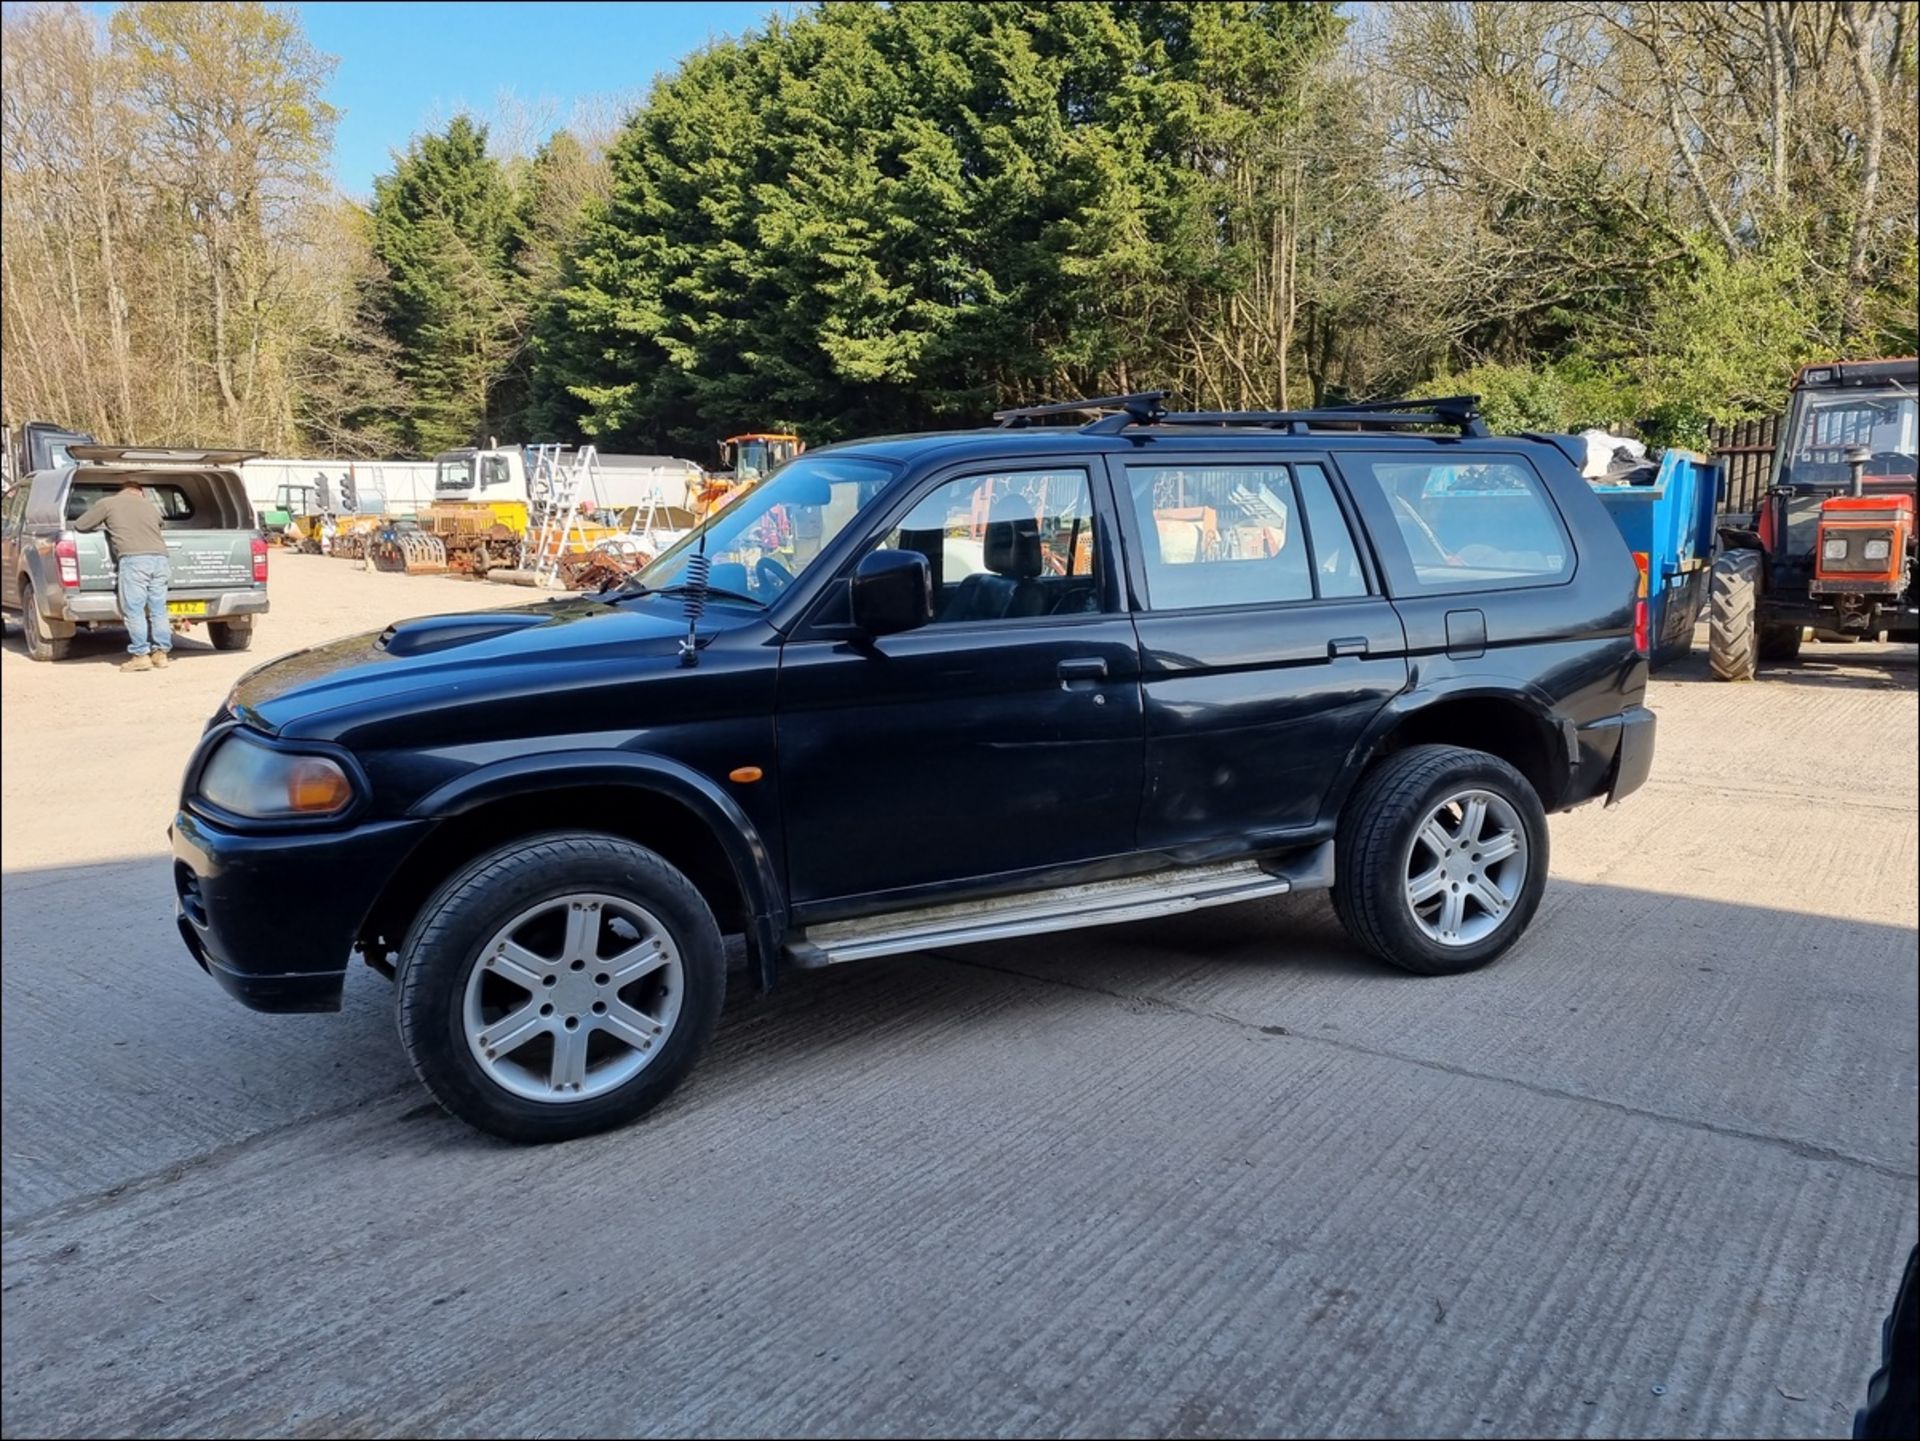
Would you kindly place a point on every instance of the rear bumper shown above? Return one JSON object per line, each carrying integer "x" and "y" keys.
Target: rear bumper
{"x": 1634, "y": 761}
{"x": 103, "y": 606}
{"x": 273, "y": 918}
{"x": 1609, "y": 758}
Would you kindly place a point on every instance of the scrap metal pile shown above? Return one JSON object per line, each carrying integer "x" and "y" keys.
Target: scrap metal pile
{"x": 601, "y": 567}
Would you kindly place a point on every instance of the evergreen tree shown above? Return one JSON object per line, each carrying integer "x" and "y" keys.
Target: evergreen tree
{"x": 444, "y": 226}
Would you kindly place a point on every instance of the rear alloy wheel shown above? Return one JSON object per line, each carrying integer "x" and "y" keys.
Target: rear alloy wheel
{"x": 1732, "y": 635}
{"x": 1441, "y": 859}
{"x": 559, "y": 986}
{"x": 42, "y": 643}
{"x": 1466, "y": 868}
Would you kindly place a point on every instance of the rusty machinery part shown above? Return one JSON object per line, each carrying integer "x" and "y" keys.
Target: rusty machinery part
{"x": 411, "y": 551}
{"x": 597, "y": 569}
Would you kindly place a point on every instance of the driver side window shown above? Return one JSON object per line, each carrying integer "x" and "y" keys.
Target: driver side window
{"x": 1006, "y": 546}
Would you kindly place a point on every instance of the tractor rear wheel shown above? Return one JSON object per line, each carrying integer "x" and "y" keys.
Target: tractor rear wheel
{"x": 1732, "y": 636}
{"x": 1781, "y": 642}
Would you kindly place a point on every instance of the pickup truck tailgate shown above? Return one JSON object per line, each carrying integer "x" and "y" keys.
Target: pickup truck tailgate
{"x": 199, "y": 560}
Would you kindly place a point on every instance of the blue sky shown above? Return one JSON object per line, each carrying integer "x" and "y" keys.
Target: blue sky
{"x": 404, "y": 67}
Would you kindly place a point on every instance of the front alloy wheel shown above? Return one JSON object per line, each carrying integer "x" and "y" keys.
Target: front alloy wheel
{"x": 560, "y": 985}
{"x": 573, "y": 997}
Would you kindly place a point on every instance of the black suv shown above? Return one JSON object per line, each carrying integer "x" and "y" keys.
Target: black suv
{"x": 923, "y": 691}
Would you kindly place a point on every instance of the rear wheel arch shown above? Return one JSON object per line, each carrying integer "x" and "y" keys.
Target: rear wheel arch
{"x": 1519, "y": 730}
{"x": 719, "y": 855}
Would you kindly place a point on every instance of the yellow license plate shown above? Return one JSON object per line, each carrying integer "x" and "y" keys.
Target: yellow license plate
{"x": 186, "y": 607}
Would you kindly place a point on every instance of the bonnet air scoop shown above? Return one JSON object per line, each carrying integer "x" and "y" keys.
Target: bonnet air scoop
{"x": 442, "y": 632}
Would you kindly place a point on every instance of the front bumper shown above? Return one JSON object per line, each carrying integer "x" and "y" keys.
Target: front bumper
{"x": 273, "y": 917}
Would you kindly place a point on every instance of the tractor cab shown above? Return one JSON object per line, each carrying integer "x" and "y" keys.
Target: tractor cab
{"x": 1839, "y": 517}
{"x": 1832, "y": 544}
{"x": 757, "y": 453}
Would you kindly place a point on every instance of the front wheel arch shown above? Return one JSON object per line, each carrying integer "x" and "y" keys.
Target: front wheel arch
{"x": 721, "y": 855}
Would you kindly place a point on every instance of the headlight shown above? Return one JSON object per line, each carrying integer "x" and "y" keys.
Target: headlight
{"x": 1877, "y": 549}
{"x": 250, "y": 779}
{"x": 1835, "y": 549}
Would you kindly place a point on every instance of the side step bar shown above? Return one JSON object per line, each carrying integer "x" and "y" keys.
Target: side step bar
{"x": 1132, "y": 898}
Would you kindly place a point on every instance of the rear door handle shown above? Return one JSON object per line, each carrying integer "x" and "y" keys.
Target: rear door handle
{"x": 1090, "y": 667}
{"x": 1350, "y": 645}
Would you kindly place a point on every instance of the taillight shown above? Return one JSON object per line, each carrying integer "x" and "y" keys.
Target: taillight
{"x": 1642, "y": 619}
{"x": 260, "y": 560}
{"x": 68, "y": 555}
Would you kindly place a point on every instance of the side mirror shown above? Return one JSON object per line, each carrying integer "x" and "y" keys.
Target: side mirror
{"x": 892, "y": 591}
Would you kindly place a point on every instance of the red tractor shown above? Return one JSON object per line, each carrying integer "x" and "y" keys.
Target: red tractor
{"x": 1832, "y": 543}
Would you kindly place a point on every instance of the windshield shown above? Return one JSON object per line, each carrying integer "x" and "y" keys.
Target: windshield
{"x": 453, "y": 475}
{"x": 1826, "y": 424}
{"x": 779, "y": 528}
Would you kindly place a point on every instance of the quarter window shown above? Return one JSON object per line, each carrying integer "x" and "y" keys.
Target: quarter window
{"x": 1469, "y": 523}
{"x": 1336, "y": 558}
{"x": 1009, "y": 546}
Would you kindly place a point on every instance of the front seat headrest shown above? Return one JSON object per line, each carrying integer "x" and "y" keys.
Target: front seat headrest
{"x": 1012, "y": 548}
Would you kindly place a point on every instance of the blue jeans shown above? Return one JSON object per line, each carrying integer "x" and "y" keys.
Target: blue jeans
{"x": 143, "y": 603}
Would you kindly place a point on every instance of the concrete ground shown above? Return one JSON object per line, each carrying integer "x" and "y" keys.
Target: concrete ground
{"x": 1652, "y": 1174}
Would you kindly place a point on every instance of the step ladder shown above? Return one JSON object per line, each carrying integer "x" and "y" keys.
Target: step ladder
{"x": 559, "y": 485}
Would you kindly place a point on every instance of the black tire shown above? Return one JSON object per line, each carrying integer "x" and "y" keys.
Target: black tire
{"x": 1374, "y": 846}
{"x": 1732, "y": 632}
{"x": 42, "y": 644}
{"x": 1893, "y": 1391}
{"x": 230, "y": 634}
{"x": 1780, "y": 642}
{"x": 454, "y": 927}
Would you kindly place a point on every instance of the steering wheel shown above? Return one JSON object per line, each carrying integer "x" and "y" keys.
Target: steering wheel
{"x": 1424, "y": 531}
{"x": 1889, "y": 462}
{"x": 773, "y": 576}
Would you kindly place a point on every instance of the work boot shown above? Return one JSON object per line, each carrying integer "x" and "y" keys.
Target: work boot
{"x": 138, "y": 662}
{"x": 160, "y": 658}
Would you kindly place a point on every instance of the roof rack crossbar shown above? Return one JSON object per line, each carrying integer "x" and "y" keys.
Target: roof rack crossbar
{"x": 1303, "y": 420}
{"x": 1118, "y": 412}
{"x": 1140, "y": 407}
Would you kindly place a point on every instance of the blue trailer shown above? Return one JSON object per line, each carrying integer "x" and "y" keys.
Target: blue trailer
{"x": 1670, "y": 522}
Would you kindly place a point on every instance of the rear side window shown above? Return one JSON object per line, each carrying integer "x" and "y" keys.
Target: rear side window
{"x": 171, "y": 500}
{"x": 1237, "y": 534}
{"x": 1467, "y": 523}
{"x": 1220, "y": 535}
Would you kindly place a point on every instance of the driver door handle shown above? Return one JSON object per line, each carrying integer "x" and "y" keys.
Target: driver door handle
{"x": 1090, "y": 667}
{"x": 1351, "y": 645}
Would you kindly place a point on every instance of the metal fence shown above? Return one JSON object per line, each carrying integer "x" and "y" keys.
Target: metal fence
{"x": 1745, "y": 448}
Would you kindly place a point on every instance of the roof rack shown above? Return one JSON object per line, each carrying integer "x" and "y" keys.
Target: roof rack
{"x": 1141, "y": 408}
{"x": 1119, "y": 412}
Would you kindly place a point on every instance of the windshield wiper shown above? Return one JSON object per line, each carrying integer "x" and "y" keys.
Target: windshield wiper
{"x": 711, "y": 589}
{"x": 632, "y": 585}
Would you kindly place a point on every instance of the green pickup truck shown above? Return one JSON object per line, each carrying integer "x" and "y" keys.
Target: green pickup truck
{"x": 59, "y": 581}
